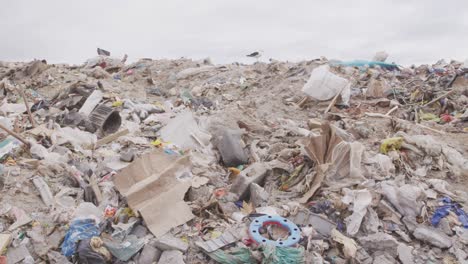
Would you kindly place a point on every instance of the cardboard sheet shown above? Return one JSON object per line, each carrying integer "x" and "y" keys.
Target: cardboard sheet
{"x": 155, "y": 185}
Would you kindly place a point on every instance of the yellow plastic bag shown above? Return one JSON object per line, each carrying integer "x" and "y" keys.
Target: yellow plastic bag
{"x": 391, "y": 144}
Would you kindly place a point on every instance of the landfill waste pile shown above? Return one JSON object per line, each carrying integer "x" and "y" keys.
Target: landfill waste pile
{"x": 184, "y": 161}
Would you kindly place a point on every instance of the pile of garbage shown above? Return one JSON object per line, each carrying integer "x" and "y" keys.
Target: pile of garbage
{"x": 183, "y": 161}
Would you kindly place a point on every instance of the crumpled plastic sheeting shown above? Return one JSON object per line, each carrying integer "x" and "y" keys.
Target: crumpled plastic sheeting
{"x": 346, "y": 169}
{"x": 383, "y": 164}
{"x": 424, "y": 142}
{"x": 407, "y": 199}
{"x": 280, "y": 255}
{"x": 184, "y": 131}
{"x": 324, "y": 85}
{"x": 338, "y": 161}
{"x": 80, "y": 229}
{"x": 441, "y": 186}
{"x": 320, "y": 149}
{"x": 457, "y": 164}
{"x": 360, "y": 199}
{"x": 78, "y": 138}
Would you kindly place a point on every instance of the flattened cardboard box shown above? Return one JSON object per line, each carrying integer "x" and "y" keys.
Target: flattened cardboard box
{"x": 155, "y": 186}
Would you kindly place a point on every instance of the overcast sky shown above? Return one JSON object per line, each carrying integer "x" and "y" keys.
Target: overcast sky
{"x": 420, "y": 31}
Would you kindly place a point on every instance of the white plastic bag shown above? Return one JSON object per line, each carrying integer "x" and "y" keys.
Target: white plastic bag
{"x": 324, "y": 85}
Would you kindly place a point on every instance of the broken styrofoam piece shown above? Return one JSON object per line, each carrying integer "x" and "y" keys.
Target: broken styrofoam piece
{"x": 324, "y": 85}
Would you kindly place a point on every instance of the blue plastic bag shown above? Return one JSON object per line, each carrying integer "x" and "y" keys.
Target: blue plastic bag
{"x": 80, "y": 229}
{"x": 444, "y": 210}
{"x": 440, "y": 213}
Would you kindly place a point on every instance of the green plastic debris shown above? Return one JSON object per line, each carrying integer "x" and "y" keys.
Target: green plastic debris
{"x": 391, "y": 144}
{"x": 271, "y": 255}
{"x": 234, "y": 256}
{"x": 280, "y": 255}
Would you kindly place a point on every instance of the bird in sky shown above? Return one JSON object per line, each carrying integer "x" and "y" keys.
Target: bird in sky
{"x": 256, "y": 54}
